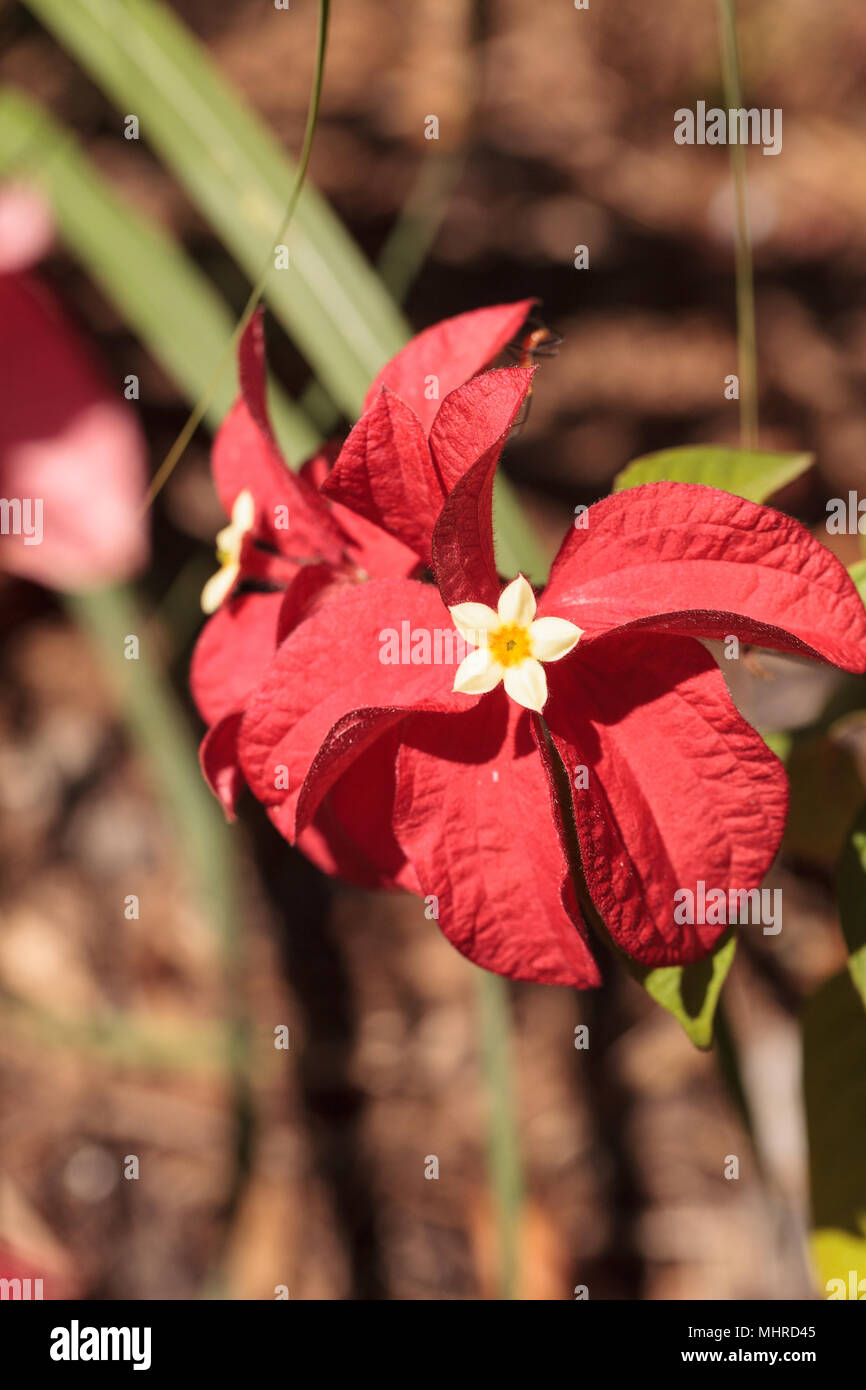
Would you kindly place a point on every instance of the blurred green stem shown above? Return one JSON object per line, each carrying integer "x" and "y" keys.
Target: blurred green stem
{"x": 746, "y": 336}
{"x": 506, "y": 1176}
{"x": 411, "y": 238}
{"x": 110, "y": 617}
{"x": 402, "y": 256}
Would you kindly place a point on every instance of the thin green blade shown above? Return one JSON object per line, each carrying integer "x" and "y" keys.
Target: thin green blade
{"x": 232, "y": 167}
{"x": 167, "y": 302}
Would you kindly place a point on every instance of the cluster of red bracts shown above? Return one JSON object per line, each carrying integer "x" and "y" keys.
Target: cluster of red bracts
{"x": 387, "y": 775}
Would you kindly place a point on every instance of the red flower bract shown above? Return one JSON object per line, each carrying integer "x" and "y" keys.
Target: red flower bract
{"x": 457, "y": 792}
{"x": 69, "y": 446}
{"x": 327, "y": 547}
{"x": 386, "y": 774}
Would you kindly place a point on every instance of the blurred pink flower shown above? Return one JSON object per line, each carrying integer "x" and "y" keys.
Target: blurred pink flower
{"x": 26, "y": 229}
{"x": 72, "y": 457}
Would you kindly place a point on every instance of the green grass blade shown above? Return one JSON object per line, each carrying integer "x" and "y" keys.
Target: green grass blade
{"x": 747, "y": 351}
{"x": 167, "y": 302}
{"x": 160, "y": 730}
{"x": 330, "y": 299}
{"x": 505, "y": 1166}
{"x": 178, "y": 448}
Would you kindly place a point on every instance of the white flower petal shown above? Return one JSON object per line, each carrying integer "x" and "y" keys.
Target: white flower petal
{"x": 477, "y": 673}
{"x": 553, "y": 638}
{"x": 474, "y": 621}
{"x": 218, "y": 587}
{"x": 517, "y": 603}
{"x": 244, "y": 510}
{"x": 228, "y": 542}
{"x": 527, "y": 684}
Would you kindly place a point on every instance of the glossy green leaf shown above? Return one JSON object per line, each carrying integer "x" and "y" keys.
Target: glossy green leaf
{"x": 231, "y": 165}
{"x": 851, "y": 892}
{"x": 753, "y": 475}
{"x": 834, "y": 1081}
{"x": 691, "y": 992}
{"x": 163, "y": 297}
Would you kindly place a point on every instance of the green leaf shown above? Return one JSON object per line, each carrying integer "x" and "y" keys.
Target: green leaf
{"x": 851, "y": 892}
{"x": 232, "y": 167}
{"x": 753, "y": 475}
{"x": 691, "y": 992}
{"x": 160, "y": 293}
{"x": 857, "y": 571}
{"x": 834, "y": 1082}
{"x": 821, "y": 772}
{"x": 517, "y": 546}
{"x": 779, "y": 741}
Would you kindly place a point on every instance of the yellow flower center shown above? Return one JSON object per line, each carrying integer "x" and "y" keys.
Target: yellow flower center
{"x": 510, "y": 645}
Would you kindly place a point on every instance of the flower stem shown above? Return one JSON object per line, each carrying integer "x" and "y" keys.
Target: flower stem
{"x": 746, "y": 338}
{"x": 178, "y": 448}
{"x": 504, "y": 1164}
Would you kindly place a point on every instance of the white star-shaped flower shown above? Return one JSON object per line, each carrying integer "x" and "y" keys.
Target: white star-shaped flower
{"x": 229, "y": 544}
{"x": 511, "y": 644}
